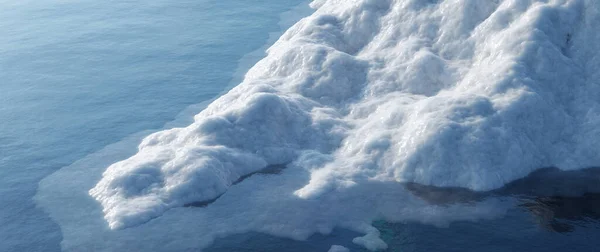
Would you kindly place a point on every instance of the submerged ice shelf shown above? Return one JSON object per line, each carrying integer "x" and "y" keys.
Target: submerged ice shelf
{"x": 363, "y": 94}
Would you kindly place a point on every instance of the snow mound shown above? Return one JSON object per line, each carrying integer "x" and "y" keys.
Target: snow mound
{"x": 461, "y": 93}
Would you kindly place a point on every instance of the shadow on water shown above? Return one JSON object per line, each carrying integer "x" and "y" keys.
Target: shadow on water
{"x": 559, "y": 200}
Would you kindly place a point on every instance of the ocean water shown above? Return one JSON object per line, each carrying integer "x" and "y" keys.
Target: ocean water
{"x": 78, "y": 75}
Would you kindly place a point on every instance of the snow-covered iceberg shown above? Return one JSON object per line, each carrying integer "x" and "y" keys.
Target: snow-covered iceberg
{"x": 461, "y": 93}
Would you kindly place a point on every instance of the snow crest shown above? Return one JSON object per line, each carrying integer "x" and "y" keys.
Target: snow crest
{"x": 461, "y": 93}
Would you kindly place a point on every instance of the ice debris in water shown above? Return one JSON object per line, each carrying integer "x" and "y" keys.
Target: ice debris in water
{"x": 362, "y": 93}
{"x": 338, "y": 248}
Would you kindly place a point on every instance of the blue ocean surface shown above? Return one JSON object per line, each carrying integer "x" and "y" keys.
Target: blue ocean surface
{"x": 78, "y": 75}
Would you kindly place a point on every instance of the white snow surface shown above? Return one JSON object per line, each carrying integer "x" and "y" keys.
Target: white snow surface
{"x": 461, "y": 93}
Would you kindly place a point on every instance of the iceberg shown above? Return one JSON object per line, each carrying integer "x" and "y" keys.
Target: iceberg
{"x": 461, "y": 93}
{"x": 356, "y": 112}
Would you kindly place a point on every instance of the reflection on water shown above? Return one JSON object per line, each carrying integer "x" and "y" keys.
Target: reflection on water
{"x": 559, "y": 200}
{"x": 444, "y": 196}
{"x": 563, "y": 214}
{"x": 554, "y": 182}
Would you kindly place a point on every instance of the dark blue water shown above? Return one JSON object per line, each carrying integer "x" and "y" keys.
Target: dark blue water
{"x": 78, "y": 75}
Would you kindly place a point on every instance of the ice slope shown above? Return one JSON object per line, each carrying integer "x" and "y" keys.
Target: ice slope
{"x": 466, "y": 93}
